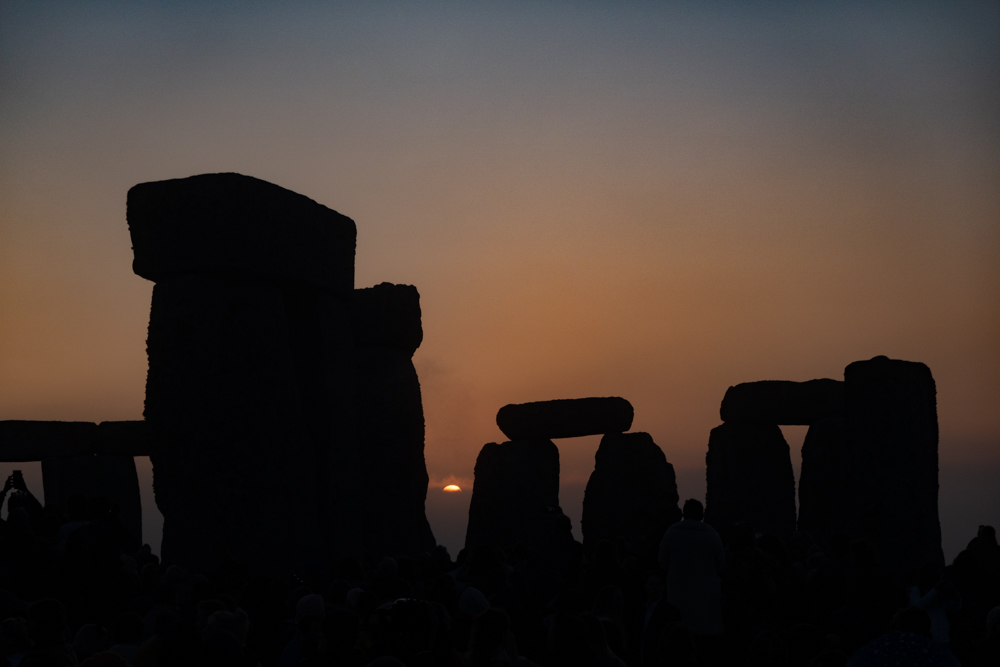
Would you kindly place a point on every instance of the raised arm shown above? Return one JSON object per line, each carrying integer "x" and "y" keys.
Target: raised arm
{"x": 6, "y": 489}
{"x": 27, "y": 499}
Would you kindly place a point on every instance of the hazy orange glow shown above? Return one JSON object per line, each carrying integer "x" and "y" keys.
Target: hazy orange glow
{"x": 649, "y": 201}
{"x": 451, "y": 488}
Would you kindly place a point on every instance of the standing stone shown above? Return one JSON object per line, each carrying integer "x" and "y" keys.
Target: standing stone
{"x": 632, "y": 493}
{"x": 823, "y": 482}
{"x": 323, "y": 352}
{"x": 515, "y": 496}
{"x": 750, "y": 478}
{"x": 783, "y": 402}
{"x": 387, "y": 331}
{"x": 872, "y": 474}
{"x": 250, "y": 371}
{"x": 113, "y": 477}
{"x": 891, "y": 433}
{"x": 234, "y": 469}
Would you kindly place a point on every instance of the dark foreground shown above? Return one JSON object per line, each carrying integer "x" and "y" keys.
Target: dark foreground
{"x": 79, "y": 590}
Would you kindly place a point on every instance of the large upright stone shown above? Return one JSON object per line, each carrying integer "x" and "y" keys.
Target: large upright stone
{"x": 565, "y": 418}
{"x": 750, "y": 478}
{"x": 250, "y": 384}
{"x": 387, "y": 331}
{"x": 782, "y": 402}
{"x": 824, "y": 493}
{"x": 515, "y": 496}
{"x": 892, "y": 435}
{"x": 235, "y": 467}
{"x": 387, "y": 315}
{"x": 323, "y": 351}
{"x": 632, "y": 493}
{"x": 873, "y": 474}
{"x": 112, "y": 476}
{"x": 230, "y": 222}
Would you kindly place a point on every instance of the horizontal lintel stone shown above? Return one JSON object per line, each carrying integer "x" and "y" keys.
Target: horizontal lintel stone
{"x": 23, "y": 441}
{"x": 565, "y": 418}
{"x": 783, "y": 402}
{"x": 235, "y": 223}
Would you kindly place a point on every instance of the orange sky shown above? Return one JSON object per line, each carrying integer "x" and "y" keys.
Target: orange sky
{"x": 621, "y": 200}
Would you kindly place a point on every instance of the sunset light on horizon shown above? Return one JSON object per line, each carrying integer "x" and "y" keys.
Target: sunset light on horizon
{"x": 651, "y": 201}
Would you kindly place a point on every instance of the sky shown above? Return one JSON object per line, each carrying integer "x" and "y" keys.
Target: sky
{"x": 649, "y": 200}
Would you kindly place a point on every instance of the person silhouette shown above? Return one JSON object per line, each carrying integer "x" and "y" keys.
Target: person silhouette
{"x": 693, "y": 557}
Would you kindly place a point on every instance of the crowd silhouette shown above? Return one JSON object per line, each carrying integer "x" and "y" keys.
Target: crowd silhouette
{"x": 81, "y": 590}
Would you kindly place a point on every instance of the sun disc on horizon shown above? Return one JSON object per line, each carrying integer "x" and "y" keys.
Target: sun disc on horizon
{"x": 452, "y": 488}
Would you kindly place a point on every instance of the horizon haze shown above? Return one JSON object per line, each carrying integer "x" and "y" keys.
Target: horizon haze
{"x": 648, "y": 201}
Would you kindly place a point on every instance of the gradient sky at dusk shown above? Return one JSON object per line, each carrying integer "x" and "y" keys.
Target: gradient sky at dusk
{"x": 648, "y": 200}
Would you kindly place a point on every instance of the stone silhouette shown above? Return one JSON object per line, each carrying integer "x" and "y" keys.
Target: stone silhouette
{"x": 250, "y": 370}
{"x": 387, "y": 331}
{"x": 748, "y": 459}
{"x": 35, "y": 440}
{"x": 632, "y": 493}
{"x": 112, "y": 476}
{"x": 869, "y": 460}
{"x": 824, "y": 479}
{"x": 782, "y": 402}
{"x": 230, "y": 223}
{"x": 82, "y": 458}
{"x": 234, "y": 465}
{"x": 131, "y": 438}
{"x": 285, "y": 422}
{"x": 891, "y": 419}
{"x": 566, "y": 418}
{"x": 750, "y": 478}
{"x": 515, "y": 496}
{"x": 22, "y": 440}
{"x": 388, "y": 316}
{"x": 873, "y": 474}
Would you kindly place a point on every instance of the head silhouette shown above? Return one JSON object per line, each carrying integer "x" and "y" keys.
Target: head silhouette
{"x": 693, "y": 510}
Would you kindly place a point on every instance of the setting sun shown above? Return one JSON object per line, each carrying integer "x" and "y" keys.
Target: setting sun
{"x": 452, "y": 488}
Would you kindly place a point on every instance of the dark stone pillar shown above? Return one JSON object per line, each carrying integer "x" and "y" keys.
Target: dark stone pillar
{"x": 113, "y": 477}
{"x": 322, "y": 351}
{"x": 250, "y": 371}
{"x": 750, "y": 478}
{"x": 891, "y": 433}
{"x": 873, "y": 474}
{"x": 632, "y": 493}
{"x": 235, "y": 467}
{"x": 515, "y": 496}
{"x": 387, "y": 331}
{"x": 824, "y": 479}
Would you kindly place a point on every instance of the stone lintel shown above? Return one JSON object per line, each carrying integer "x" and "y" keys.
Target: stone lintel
{"x": 565, "y": 418}
{"x": 23, "y": 441}
{"x": 231, "y": 223}
{"x": 783, "y": 402}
